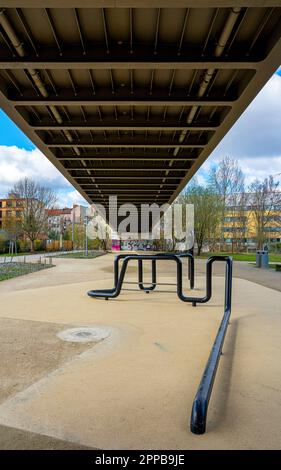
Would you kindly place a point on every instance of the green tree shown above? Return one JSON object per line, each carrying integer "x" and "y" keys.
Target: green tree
{"x": 77, "y": 234}
{"x": 13, "y": 228}
{"x": 207, "y": 213}
{"x": 53, "y": 235}
{"x": 3, "y": 240}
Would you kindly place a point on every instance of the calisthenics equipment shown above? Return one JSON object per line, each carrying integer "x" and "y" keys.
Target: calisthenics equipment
{"x": 201, "y": 401}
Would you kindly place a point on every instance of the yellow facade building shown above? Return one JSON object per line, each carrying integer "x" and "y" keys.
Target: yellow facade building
{"x": 10, "y": 209}
{"x": 240, "y": 227}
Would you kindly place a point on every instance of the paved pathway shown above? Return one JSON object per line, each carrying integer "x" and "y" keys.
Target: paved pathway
{"x": 135, "y": 388}
{"x": 245, "y": 270}
{"x": 69, "y": 271}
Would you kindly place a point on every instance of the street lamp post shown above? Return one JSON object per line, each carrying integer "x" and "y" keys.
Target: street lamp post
{"x": 86, "y": 238}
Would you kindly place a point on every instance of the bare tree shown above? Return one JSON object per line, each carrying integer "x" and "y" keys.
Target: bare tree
{"x": 36, "y": 200}
{"x": 227, "y": 180}
{"x": 240, "y": 227}
{"x": 236, "y": 219}
{"x": 265, "y": 202}
{"x": 99, "y": 230}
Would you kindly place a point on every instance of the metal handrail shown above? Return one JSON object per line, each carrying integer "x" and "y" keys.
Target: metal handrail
{"x": 154, "y": 274}
{"x": 203, "y": 395}
{"x": 119, "y": 279}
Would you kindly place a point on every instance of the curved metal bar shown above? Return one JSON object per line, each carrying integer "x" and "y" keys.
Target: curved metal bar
{"x": 115, "y": 291}
{"x": 140, "y": 272}
{"x": 209, "y": 271}
{"x": 116, "y": 267}
{"x": 203, "y": 395}
{"x": 191, "y": 267}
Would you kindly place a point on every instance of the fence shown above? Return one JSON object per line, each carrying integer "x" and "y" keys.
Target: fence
{"x": 13, "y": 267}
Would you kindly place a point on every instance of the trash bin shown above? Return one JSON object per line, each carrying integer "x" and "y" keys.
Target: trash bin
{"x": 264, "y": 259}
{"x": 258, "y": 259}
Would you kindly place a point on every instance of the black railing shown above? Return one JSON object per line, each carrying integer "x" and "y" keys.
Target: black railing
{"x": 154, "y": 282}
{"x": 119, "y": 278}
{"x": 203, "y": 395}
{"x": 202, "y": 398}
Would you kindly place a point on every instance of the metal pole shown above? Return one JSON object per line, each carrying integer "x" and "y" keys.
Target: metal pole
{"x": 73, "y": 213}
{"x": 86, "y": 238}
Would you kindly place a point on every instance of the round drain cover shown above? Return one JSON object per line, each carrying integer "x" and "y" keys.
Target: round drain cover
{"x": 84, "y": 334}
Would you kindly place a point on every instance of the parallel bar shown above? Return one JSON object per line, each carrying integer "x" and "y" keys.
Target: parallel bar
{"x": 154, "y": 158}
{"x": 138, "y": 124}
{"x": 101, "y": 168}
{"x": 111, "y": 192}
{"x": 203, "y": 395}
{"x": 125, "y": 144}
{"x": 142, "y": 200}
{"x": 128, "y": 153}
{"x": 138, "y": 60}
{"x": 140, "y": 3}
{"x": 113, "y": 185}
{"x": 118, "y": 99}
{"x": 127, "y": 177}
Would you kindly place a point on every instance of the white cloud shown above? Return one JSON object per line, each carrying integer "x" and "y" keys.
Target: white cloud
{"x": 67, "y": 199}
{"x": 255, "y": 139}
{"x": 258, "y": 131}
{"x": 258, "y": 168}
{"x": 17, "y": 163}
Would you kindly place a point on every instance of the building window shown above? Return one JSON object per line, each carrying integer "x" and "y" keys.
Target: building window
{"x": 234, "y": 218}
{"x": 272, "y": 229}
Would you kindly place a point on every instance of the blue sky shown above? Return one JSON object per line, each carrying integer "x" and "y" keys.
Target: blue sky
{"x": 254, "y": 140}
{"x": 10, "y": 134}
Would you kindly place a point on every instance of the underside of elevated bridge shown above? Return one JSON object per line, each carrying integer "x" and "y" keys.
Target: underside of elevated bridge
{"x": 129, "y": 98}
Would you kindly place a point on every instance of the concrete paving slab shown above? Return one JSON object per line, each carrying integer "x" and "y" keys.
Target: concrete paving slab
{"x": 135, "y": 389}
{"x": 30, "y": 350}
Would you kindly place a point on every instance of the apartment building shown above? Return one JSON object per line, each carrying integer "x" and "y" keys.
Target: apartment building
{"x": 240, "y": 226}
{"x": 60, "y": 219}
{"x": 10, "y": 209}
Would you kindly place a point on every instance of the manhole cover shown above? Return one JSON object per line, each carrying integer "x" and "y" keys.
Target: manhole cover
{"x": 84, "y": 334}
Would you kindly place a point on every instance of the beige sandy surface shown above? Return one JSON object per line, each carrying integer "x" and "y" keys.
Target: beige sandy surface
{"x": 135, "y": 388}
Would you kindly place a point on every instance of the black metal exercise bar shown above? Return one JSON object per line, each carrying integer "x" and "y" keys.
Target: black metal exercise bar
{"x": 115, "y": 291}
{"x": 154, "y": 280}
{"x": 203, "y": 395}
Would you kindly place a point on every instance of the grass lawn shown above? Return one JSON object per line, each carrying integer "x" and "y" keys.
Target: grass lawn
{"x": 14, "y": 269}
{"x": 251, "y": 257}
{"x": 81, "y": 255}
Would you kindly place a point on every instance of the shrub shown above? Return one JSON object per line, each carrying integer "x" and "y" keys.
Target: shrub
{"x": 38, "y": 245}
{"x": 275, "y": 247}
{"x": 24, "y": 246}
